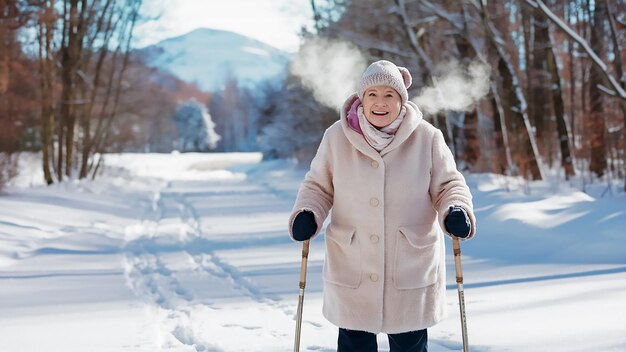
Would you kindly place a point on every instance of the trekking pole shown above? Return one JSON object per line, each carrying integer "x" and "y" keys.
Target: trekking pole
{"x": 305, "y": 256}
{"x": 459, "y": 285}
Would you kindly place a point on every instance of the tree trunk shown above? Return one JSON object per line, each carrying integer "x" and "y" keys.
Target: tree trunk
{"x": 523, "y": 152}
{"x": 69, "y": 63}
{"x": 595, "y": 124}
{"x": 528, "y": 39}
{"x": 514, "y": 106}
{"x": 503, "y": 147}
{"x": 544, "y": 63}
{"x": 104, "y": 25}
{"x": 4, "y": 52}
{"x": 559, "y": 112}
{"x": 86, "y": 146}
{"x": 538, "y": 111}
{"x": 470, "y": 128}
{"x": 123, "y": 46}
{"x": 619, "y": 72}
{"x": 572, "y": 83}
{"x": 46, "y": 75}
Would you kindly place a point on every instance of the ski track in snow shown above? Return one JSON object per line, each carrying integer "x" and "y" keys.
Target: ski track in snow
{"x": 171, "y": 225}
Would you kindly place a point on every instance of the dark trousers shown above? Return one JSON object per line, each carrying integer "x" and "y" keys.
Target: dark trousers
{"x": 362, "y": 341}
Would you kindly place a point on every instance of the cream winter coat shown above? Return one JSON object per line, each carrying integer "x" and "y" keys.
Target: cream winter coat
{"x": 384, "y": 269}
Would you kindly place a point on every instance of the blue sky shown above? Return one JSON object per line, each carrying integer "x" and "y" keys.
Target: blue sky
{"x": 276, "y": 22}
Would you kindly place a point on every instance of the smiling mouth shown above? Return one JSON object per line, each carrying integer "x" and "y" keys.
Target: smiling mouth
{"x": 380, "y": 113}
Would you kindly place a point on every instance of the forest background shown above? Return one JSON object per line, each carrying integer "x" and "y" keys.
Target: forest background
{"x": 524, "y": 88}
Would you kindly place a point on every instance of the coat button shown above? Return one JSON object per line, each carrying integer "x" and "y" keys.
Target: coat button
{"x": 374, "y": 238}
{"x": 373, "y": 277}
{"x": 375, "y": 164}
{"x": 374, "y": 201}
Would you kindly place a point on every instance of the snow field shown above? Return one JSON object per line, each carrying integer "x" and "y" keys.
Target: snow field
{"x": 189, "y": 252}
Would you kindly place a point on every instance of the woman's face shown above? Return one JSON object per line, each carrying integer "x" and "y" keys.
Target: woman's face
{"x": 381, "y": 105}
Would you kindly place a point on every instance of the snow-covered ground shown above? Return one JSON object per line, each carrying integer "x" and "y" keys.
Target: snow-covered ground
{"x": 189, "y": 252}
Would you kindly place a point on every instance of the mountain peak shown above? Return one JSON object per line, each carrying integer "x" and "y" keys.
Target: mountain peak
{"x": 209, "y": 57}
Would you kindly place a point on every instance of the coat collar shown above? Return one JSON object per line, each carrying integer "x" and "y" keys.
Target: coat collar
{"x": 412, "y": 119}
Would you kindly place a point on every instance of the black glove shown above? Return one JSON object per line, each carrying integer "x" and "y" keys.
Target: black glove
{"x": 457, "y": 222}
{"x": 304, "y": 226}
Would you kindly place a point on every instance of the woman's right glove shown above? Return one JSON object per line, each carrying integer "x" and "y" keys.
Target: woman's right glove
{"x": 304, "y": 226}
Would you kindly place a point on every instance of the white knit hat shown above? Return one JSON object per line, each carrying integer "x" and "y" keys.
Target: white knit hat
{"x": 386, "y": 73}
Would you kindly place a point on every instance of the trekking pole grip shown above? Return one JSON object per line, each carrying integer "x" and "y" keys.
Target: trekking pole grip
{"x": 456, "y": 247}
{"x": 303, "y": 265}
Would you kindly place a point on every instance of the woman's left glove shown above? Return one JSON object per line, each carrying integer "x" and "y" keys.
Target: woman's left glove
{"x": 304, "y": 226}
{"x": 457, "y": 222}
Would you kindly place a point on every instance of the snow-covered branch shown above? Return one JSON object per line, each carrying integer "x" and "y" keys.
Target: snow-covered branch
{"x": 373, "y": 43}
{"x": 454, "y": 19}
{"x": 598, "y": 63}
{"x": 412, "y": 37}
{"x": 458, "y": 22}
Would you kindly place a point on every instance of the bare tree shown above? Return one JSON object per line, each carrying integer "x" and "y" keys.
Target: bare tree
{"x": 514, "y": 103}
{"x": 119, "y": 28}
{"x": 46, "y": 21}
{"x": 468, "y": 52}
{"x": 559, "y": 112}
{"x": 544, "y": 86}
{"x": 11, "y": 112}
{"x": 617, "y": 63}
{"x": 18, "y": 86}
{"x": 601, "y": 81}
{"x": 612, "y": 86}
{"x": 596, "y": 122}
{"x": 83, "y": 46}
{"x": 428, "y": 68}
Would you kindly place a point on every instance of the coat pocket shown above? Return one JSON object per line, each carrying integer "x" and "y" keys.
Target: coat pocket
{"x": 342, "y": 265}
{"x": 417, "y": 257}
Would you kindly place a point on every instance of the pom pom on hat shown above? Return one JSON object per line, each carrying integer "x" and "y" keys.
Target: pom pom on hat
{"x": 386, "y": 73}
